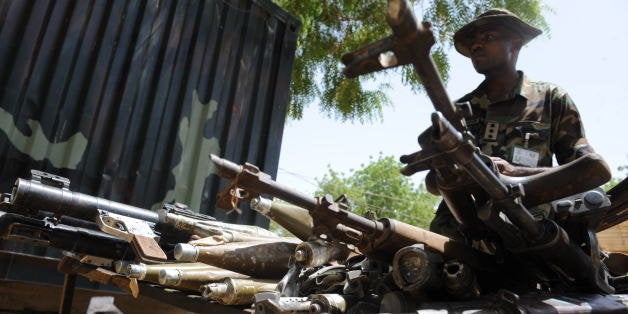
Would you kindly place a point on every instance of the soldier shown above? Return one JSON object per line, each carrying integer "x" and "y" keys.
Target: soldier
{"x": 520, "y": 123}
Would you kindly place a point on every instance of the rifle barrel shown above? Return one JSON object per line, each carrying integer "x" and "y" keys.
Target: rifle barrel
{"x": 33, "y": 196}
{"x": 261, "y": 183}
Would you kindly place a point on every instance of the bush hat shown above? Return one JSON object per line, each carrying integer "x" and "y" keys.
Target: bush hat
{"x": 494, "y": 17}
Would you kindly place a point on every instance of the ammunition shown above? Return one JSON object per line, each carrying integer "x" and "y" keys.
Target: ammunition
{"x": 293, "y": 218}
{"x": 267, "y": 259}
{"x": 233, "y": 291}
{"x": 318, "y": 253}
{"x": 193, "y": 279}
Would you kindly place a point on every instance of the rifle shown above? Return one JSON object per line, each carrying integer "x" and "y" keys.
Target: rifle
{"x": 47, "y": 197}
{"x": 84, "y": 240}
{"x": 333, "y": 221}
{"x": 468, "y": 181}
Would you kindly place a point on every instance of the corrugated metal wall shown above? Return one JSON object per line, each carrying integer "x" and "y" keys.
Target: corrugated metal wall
{"x": 129, "y": 98}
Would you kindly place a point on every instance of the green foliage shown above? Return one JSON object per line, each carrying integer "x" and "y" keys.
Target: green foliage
{"x": 623, "y": 173}
{"x": 381, "y": 189}
{"x": 331, "y": 28}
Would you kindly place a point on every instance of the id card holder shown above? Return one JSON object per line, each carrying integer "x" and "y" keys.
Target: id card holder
{"x": 525, "y": 156}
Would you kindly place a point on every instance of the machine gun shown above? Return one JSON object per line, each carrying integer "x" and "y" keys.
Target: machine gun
{"x": 333, "y": 221}
{"x": 67, "y": 234}
{"x": 557, "y": 255}
{"x": 468, "y": 181}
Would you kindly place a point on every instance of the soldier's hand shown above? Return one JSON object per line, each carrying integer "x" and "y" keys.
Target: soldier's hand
{"x": 505, "y": 167}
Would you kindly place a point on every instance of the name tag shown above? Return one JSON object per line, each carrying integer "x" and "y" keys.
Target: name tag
{"x": 525, "y": 157}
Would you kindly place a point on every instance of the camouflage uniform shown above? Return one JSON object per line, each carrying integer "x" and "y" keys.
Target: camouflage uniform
{"x": 536, "y": 116}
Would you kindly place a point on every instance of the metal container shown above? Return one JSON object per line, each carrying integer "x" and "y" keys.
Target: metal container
{"x": 127, "y": 99}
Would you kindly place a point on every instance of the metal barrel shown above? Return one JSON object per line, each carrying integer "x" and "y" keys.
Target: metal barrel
{"x": 32, "y": 195}
{"x": 295, "y": 219}
{"x": 262, "y": 183}
{"x": 235, "y": 291}
{"x": 194, "y": 279}
{"x": 261, "y": 259}
{"x": 318, "y": 253}
{"x": 206, "y": 228}
{"x": 460, "y": 280}
{"x": 151, "y": 272}
{"x": 416, "y": 270}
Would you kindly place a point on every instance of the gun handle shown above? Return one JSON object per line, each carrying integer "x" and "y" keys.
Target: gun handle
{"x": 147, "y": 249}
{"x": 134, "y": 231}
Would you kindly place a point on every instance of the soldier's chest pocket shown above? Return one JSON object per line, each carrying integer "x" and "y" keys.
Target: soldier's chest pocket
{"x": 529, "y": 134}
{"x": 476, "y": 127}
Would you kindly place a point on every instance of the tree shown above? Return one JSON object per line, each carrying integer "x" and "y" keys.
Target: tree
{"x": 381, "y": 189}
{"x": 622, "y": 173}
{"x": 331, "y": 28}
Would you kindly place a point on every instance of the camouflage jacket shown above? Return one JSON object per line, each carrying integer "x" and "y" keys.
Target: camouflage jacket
{"x": 539, "y": 117}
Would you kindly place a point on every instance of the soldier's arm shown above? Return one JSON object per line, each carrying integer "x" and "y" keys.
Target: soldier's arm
{"x": 568, "y": 140}
{"x": 509, "y": 169}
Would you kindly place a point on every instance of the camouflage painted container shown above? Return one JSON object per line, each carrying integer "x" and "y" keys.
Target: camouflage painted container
{"x": 129, "y": 98}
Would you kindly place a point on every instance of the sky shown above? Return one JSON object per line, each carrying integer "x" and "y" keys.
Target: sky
{"x": 584, "y": 53}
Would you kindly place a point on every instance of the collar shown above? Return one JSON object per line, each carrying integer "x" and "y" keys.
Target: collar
{"x": 523, "y": 88}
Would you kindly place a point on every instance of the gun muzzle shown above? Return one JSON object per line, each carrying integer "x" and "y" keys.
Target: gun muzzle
{"x": 225, "y": 168}
{"x": 416, "y": 270}
{"x": 233, "y": 291}
{"x": 194, "y": 279}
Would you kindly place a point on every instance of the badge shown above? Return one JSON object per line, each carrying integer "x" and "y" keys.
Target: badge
{"x": 490, "y": 133}
{"x": 525, "y": 156}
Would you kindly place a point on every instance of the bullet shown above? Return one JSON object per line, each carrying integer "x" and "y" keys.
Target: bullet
{"x": 261, "y": 259}
{"x": 233, "y": 291}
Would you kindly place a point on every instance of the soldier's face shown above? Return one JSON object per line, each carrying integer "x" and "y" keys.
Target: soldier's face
{"x": 493, "y": 49}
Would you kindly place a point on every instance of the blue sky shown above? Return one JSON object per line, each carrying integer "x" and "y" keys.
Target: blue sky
{"x": 585, "y": 53}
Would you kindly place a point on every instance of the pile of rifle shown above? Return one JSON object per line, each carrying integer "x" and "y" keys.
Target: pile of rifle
{"x": 119, "y": 245}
